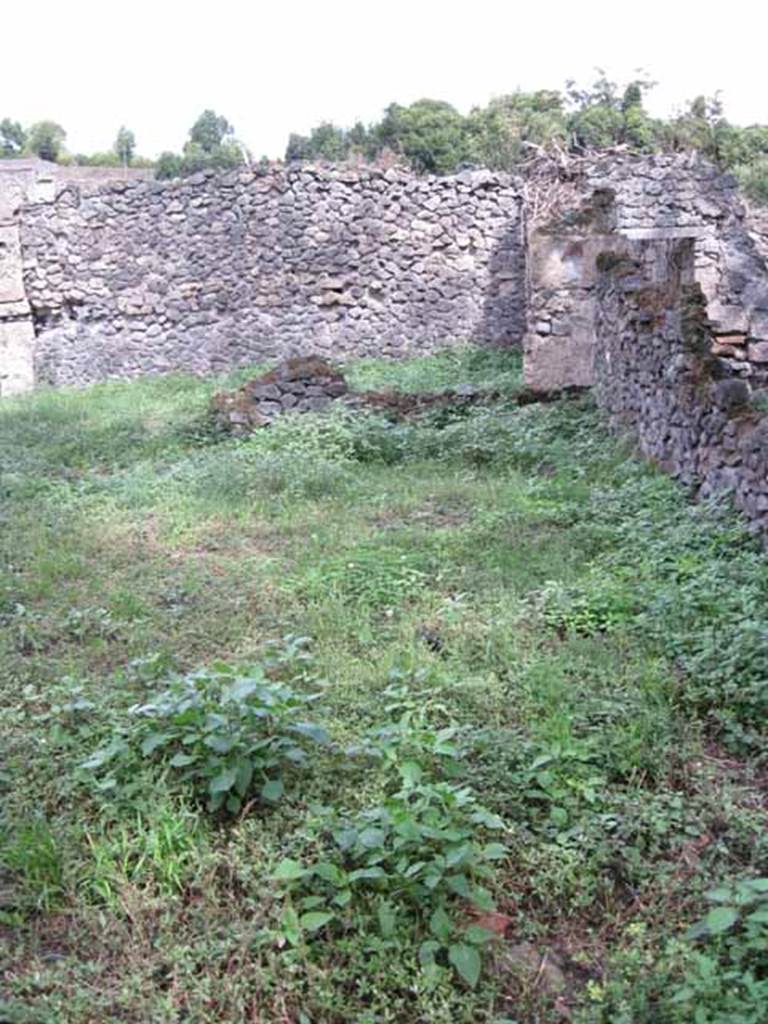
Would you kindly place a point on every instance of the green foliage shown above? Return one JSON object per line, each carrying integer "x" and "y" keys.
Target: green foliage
{"x": 753, "y": 178}
{"x": 516, "y": 618}
{"x": 366, "y": 575}
{"x": 483, "y": 368}
{"x": 34, "y": 856}
{"x": 210, "y": 131}
{"x": 226, "y": 734}
{"x": 506, "y": 131}
{"x": 46, "y": 140}
{"x": 109, "y": 159}
{"x": 430, "y": 134}
{"x": 432, "y": 137}
{"x": 597, "y": 605}
{"x": 125, "y": 145}
{"x": 13, "y": 138}
{"x": 325, "y": 142}
{"x": 420, "y": 854}
{"x": 602, "y": 115}
{"x": 729, "y": 981}
{"x": 156, "y": 849}
{"x": 169, "y": 165}
{"x": 211, "y": 146}
{"x": 718, "y": 976}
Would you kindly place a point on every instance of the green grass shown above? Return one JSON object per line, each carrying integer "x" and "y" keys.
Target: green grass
{"x": 596, "y": 645}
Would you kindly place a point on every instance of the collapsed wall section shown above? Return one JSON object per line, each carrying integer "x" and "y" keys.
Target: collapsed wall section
{"x": 658, "y": 380}
{"x": 216, "y": 272}
{"x": 593, "y": 205}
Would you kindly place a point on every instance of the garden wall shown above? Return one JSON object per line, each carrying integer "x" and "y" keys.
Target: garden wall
{"x": 658, "y": 379}
{"x": 215, "y": 272}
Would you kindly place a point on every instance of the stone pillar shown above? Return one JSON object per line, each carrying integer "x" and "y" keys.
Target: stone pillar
{"x": 17, "y": 336}
{"x": 559, "y": 343}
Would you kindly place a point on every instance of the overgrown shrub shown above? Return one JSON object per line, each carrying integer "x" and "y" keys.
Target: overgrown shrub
{"x": 420, "y": 858}
{"x": 225, "y": 734}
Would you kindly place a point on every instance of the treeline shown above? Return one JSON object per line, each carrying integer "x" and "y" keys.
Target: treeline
{"x": 431, "y": 136}
{"x": 46, "y": 140}
{"x": 210, "y": 144}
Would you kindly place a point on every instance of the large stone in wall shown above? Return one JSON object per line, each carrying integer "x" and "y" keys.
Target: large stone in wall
{"x": 560, "y": 341}
{"x": 17, "y": 340}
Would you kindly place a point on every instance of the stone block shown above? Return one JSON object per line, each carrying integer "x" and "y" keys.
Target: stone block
{"x": 264, "y": 391}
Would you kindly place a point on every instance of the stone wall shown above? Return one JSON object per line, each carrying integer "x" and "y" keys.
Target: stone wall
{"x": 757, "y": 225}
{"x": 219, "y": 271}
{"x": 30, "y": 181}
{"x": 594, "y": 205}
{"x": 657, "y": 378}
{"x": 215, "y": 272}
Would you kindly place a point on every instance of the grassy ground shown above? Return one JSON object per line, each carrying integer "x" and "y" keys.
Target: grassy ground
{"x": 537, "y": 744}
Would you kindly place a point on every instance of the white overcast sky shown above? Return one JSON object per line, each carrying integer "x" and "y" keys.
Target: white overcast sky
{"x": 275, "y": 67}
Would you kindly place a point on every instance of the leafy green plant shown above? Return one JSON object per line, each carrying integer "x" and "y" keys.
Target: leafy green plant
{"x": 727, "y": 981}
{"x": 410, "y": 733}
{"x": 422, "y": 853}
{"x": 222, "y": 732}
{"x": 561, "y": 781}
{"x": 599, "y": 604}
{"x": 740, "y": 912}
{"x": 418, "y": 852}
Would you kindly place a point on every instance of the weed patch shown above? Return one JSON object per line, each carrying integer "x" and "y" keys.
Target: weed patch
{"x": 539, "y": 754}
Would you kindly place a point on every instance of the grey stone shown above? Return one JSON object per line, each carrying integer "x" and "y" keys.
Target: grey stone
{"x": 261, "y": 391}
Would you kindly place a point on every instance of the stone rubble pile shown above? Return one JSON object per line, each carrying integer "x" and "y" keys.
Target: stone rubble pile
{"x": 310, "y": 384}
{"x": 298, "y": 385}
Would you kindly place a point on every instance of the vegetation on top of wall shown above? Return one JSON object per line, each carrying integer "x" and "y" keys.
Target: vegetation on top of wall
{"x": 433, "y": 136}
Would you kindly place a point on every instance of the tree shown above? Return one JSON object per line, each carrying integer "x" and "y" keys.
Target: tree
{"x": 210, "y": 131}
{"x": 431, "y": 134}
{"x": 125, "y": 145}
{"x": 169, "y": 165}
{"x": 211, "y": 146}
{"x": 325, "y": 142}
{"x": 701, "y": 126}
{"x": 298, "y": 148}
{"x": 602, "y": 115}
{"x": 46, "y": 140}
{"x": 12, "y": 138}
{"x": 329, "y": 142}
{"x": 502, "y": 131}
